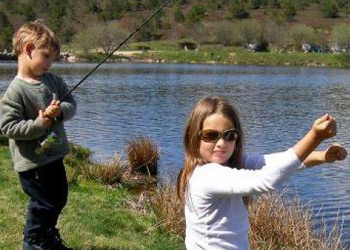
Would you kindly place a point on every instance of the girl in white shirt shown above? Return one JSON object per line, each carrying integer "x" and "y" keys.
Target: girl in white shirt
{"x": 217, "y": 175}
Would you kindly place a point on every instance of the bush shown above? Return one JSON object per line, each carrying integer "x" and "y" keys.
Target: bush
{"x": 341, "y": 36}
{"x": 143, "y": 155}
{"x": 290, "y": 10}
{"x": 300, "y": 34}
{"x": 77, "y": 161}
{"x": 238, "y": 9}
{"x": 274, "y": 35}
{"x": 195, "y": 14}
{"x": 223, "y": 34}
{"x": 4, "y": 141}
{"x": 248, "y": 31}
{"x": 330, "y": 9}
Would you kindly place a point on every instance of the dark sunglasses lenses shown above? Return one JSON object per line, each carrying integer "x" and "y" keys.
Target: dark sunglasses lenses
{"x": 212, "y": 135}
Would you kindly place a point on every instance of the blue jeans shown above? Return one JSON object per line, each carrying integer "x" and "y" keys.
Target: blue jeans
{"x": 47, "y": 189}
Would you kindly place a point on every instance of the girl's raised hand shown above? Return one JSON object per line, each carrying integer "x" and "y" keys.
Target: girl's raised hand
{"x": 335, "y": 152}
{"x": 325, "y": 127}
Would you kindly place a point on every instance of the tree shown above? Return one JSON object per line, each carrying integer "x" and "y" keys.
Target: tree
{"x": 274, "y": 35}
{"x": 199, "y": 33}
{"x": 330, "y": 9}
{"x": 195, "y": 14}
{"x": 341, "y": 36}
{"x": 26, "y": 9}
{"x": 255, "y": 4}
{"x": 248, "y": 31}
{"x": 223, "y": 33}
{"x": 178, "y": 15}
{"x": 290, "y": 10}
{"x": 56, "y": 12}
{"x": 105, "y": 36}
{"x": 300, "y": 34}
{"x": 238, "y": 9}
{"x": 6, "y": 32}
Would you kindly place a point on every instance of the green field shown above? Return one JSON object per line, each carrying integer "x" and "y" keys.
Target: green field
{"x": 96, "y": 216}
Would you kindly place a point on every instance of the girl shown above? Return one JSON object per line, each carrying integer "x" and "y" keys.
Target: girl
{"x": 217, "y": 175}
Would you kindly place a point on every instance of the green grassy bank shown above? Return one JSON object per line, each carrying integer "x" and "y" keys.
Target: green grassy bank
{"x": 168, "y": 52}
{"x": 97, "y": 216}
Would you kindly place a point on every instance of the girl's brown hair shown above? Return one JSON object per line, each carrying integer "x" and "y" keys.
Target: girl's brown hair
{"x": 204, "y": 108}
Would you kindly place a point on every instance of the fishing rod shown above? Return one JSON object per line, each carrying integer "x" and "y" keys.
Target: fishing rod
{"x": 116, "y": 48}
{"x": 52, "y": 137}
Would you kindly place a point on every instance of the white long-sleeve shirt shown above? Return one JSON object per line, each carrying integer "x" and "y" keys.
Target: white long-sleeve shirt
{"x": 216, "y": 216}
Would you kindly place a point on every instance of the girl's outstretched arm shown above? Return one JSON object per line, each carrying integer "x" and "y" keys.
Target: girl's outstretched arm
{"x": 323, "y": 128}
{"x": 333, "y": 153}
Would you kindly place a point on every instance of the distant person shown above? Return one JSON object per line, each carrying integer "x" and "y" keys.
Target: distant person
{"x": 32, "y": 118}
{"x": 217, "y": 174}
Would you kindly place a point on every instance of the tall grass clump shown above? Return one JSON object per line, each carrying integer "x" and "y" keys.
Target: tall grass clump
{"x": 276, "y": 224}
{"x": 77, "y": 162}
{"x": 107, "y": 173}
{"x": 143, "y": 155}
{"x": 168, "y": 209}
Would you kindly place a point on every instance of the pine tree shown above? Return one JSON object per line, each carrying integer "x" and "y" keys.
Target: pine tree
{"x": 6, "y": 32}
{"x": 290, "y": 10}
{"x": 330, "y": 9}
{"x": 238, "y": 9}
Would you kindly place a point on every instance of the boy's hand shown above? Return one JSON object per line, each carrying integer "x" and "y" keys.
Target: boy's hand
{"x": 335, "y": 152}
{"x": 53, "y": 110}
{"x": 47, "y": 122}
{"x": 325, "y": 127}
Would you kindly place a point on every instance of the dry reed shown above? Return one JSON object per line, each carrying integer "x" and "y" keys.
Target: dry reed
{"x": 107, "y": 173}
{"x": 168, "y": 209}
{"x": 274, "y": 223}
{"x": 143, "y": 155}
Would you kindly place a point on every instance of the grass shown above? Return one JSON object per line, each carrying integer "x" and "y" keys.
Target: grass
{"x": 109, "y": 208}
{"x": 96, "y": 217}
{"x": 163, "y": 51}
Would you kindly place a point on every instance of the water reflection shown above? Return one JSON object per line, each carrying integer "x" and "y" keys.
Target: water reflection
{"x": 277, "y": 104}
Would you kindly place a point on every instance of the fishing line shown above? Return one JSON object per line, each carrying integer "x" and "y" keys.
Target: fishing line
{"x": 115, "y": 49}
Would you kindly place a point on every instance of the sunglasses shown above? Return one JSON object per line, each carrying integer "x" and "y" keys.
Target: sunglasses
{"x": 213, "y": 135}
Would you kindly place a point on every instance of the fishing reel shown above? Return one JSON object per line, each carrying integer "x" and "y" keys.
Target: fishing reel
{"x": 50, "y": 140}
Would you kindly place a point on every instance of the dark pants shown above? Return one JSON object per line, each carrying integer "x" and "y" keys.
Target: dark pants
{"x": 48, "y": 190}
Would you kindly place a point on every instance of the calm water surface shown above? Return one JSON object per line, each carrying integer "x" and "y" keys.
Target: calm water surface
{"x": 277, "y": 105}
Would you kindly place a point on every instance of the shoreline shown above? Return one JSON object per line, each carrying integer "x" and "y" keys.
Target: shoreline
{"x": 293, "y": 59}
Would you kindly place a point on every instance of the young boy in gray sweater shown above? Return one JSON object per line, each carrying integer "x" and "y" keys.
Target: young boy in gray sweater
{"x": 30, "y": 113}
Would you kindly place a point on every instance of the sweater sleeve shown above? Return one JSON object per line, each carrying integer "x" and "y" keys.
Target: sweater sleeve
{"x": 215, "y": 179}
{"x": 68, "y": 104}
{"x": 12, "y": 123}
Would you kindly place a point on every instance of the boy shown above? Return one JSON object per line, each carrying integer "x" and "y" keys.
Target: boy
{"x": 30, "y": 111}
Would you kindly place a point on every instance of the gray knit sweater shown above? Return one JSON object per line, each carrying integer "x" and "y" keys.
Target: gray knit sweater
{"x": 19, "y": 121}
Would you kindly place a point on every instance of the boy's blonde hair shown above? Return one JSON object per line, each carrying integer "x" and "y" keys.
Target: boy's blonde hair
{"x": 38, "y": 34}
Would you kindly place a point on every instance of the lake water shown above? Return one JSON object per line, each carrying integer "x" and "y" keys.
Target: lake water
{"x": 277, "y": 104}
